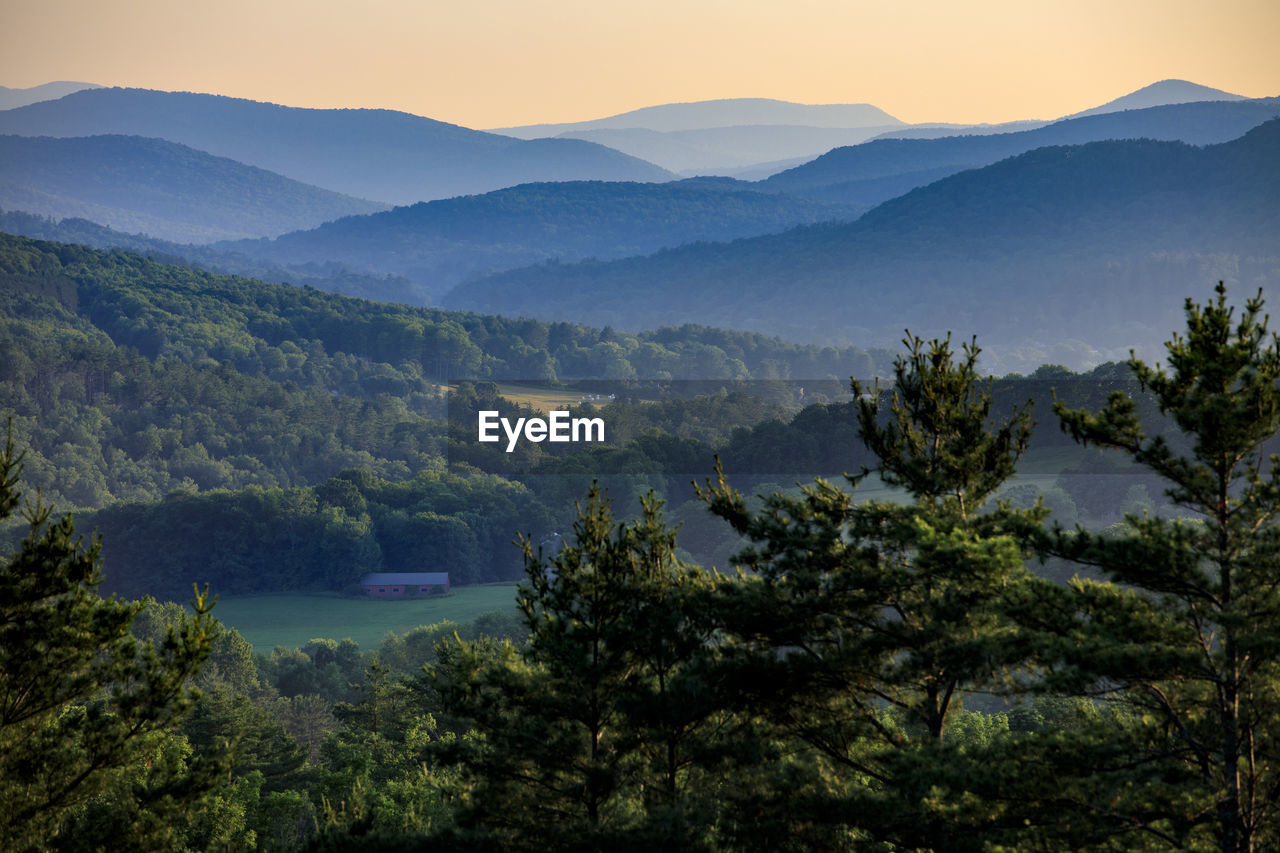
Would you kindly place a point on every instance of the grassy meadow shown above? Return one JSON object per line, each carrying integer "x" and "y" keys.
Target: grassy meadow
{"x": 291, "y": 620}
{"x": 543, "y": 399}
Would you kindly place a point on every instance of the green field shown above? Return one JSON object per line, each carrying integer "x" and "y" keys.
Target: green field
{"x": 291, "y": 620}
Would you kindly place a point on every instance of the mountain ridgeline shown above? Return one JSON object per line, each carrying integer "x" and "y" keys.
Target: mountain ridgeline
{"x": 1037, "y": 254}
{"x": 438, "y": 244}
{"x": 381, "y": 155}
{"x": 169, "y": 191}
{"x": 417, "y": 253}
{"x": 153, "y": 375}
{"x": 861, "y": 174}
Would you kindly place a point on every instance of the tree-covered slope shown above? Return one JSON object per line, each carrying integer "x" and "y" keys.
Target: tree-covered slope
{"x": 382, "y": 155}
{"x": 129, "y": 378}
{"x": 170, "y": 398}
{"x": 160, "y": 188}
{"x": 438, "y": 244}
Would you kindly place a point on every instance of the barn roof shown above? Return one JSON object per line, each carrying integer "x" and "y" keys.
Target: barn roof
{"x": 407, "y": 578}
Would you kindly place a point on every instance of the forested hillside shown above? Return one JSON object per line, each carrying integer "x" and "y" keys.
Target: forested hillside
{"x": 130, "y": 380}
{"x": 165, "y": 190}
{"x": 320, "y": 432}
{"x": 438, "y": 244}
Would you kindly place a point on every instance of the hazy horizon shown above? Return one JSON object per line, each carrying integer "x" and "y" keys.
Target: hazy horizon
{"x": 513, "y": 63}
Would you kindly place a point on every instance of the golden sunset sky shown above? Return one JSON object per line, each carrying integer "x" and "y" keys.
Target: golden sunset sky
{"x": 509, "y": 62}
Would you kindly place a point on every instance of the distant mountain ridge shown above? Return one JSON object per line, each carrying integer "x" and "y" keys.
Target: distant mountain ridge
{"x": 756, "y": 136}
{"x": 845, "y": 174}
{"x": 1161, "y": 93}
{"x": 13, "y": 98}
{"x": 437, "y": 244}
{"x": 166, "y": 190}
{"x": 1035, "y": 254}
{"x": 724, "y": 112}
{"x": 380, "y": 155}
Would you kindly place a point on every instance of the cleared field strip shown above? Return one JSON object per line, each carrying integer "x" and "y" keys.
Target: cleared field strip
{"x": 291, "y": 620}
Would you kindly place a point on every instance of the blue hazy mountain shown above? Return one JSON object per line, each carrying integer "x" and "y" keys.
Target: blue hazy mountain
{"x": 1158, "y": 94}
{"x": 725, "y": 112}
{"x": 439, "y": 243}
{"x": 169, "y": 191}
{"x": 883, "y": 168}
{"x": 1094, "y": 242}
{"x": 755, "y": 137}
{"x": 381, "y": 155}
{"x": 11, "y": 98}
{"x": 719, "y": 137}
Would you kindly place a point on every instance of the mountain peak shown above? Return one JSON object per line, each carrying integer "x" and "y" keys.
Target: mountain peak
{"x": 13, "y": 98}
{"x": 1159, "y": 94}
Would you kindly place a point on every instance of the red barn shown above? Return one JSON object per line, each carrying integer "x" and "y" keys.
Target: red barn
{"x": 404, "y": 584}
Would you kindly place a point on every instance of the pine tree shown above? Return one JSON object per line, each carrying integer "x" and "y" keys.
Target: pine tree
{"x": 80, "y": 698}
{"x": 1189, "y": 632}
{"x": 861, "y": 626}
{"x": 585, "y": 737}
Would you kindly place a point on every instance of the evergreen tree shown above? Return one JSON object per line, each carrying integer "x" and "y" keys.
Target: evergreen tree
{"x": 1189, "y": 632}
{"x": 861, "y": 626}
{"x": 585, "y": 738}
{"x": 80, "y": 698}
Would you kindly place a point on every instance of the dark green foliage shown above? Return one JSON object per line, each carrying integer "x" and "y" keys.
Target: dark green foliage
{"x": 937, "y": 443}
{"x": 1188, "y": 632}
{"x": 81, "y": 701}
{"x": 862, "y": 626}
{"x": 586, "y": 738}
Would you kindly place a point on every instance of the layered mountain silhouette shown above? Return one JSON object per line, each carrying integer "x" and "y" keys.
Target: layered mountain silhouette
{"x": 725, "y": 136}
{"x": 169, "y": 191}
{"x": 1158, "y": 94}
{"x": 881, "y": 169}
{"x": 381, "y": 155}
{"x": 1060, "y": 244}
{"x": 11, "y": 98}
{"x": 752, "y": 138}
{"x": 725, "y": 112}
{"x": 437, "y": 244}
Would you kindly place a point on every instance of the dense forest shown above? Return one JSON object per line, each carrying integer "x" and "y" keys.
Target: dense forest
{"x": 325, "y": 437}
{"x": 890, "y": 671}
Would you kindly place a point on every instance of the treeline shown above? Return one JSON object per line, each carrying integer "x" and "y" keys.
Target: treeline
{"x": 322, "y": 538}
{"x": 168, "y": 310}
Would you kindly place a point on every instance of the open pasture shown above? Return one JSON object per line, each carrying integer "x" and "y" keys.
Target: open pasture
{"x": 291, "y": 620}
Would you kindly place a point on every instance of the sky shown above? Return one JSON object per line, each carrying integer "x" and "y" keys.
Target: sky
{"x": 511, "y": 62}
